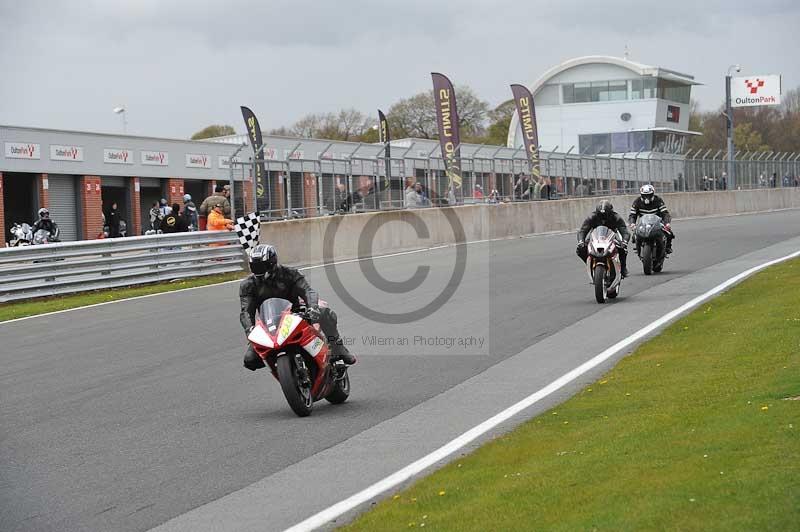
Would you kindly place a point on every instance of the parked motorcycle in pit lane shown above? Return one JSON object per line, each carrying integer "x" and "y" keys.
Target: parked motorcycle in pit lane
{"x": 651, "y": 243}
{"x": 299, "y": 357}
{"x": 22, "y": 235}
{"x": 603, "y": 264}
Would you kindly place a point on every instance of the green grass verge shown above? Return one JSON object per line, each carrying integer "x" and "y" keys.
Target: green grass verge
{"x": 691, "y": 432}
{"x": 31, "y": 307}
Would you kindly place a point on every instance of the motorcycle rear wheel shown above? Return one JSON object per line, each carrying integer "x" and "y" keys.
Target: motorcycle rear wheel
{"x": 600, "y": 283}
{"x": 647, "y": 258}
{"x": 341, "y": 390}
{"x": 298, "y": 397}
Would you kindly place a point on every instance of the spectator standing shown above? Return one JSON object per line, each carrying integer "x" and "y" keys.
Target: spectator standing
{"x": 451, "y": 195}
{"x": 546, "y": 188}
{"x": 218, "y": 196}
{"x": 478, "y": 193}
{"x": 340, "y": 197}
{"x": 413, "y": 197}
{"x": 155, "y": 217}
{"x": 423, "y": 193}
{"x": 216, "y": 218}
{"x": 164, "y": 209}
{"x": 112, "y": 220}
{"x": 537, "y": 189}
{"x": 773, "y": 180}
{"x": 174, "y": 222}
{"x": 580, "y": 190}
{"x": 190, "y": 213}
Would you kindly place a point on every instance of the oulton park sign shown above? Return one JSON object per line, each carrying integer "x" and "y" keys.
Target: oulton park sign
{"x": 756, "y": 90}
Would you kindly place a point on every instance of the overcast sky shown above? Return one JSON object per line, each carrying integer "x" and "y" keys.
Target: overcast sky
{"x": 179, "y": 65}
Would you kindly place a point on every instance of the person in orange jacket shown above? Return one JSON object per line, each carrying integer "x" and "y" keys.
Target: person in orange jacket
{"x": 217, "y": 220}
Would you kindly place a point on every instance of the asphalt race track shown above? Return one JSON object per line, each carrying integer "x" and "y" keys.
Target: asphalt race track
{"x": 129, "y": 415}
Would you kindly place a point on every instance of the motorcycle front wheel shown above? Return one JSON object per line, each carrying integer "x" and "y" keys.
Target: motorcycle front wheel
{"x": 298, "y": 396}
{"x": 341, "y": 390}
{"x": 647, "y": 258}
{"x": 600, "y": 283}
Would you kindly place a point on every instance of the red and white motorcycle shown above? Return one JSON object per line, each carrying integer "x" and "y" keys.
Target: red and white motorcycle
{"x": 602, "y": 264}
{"x": 299, "y": 357}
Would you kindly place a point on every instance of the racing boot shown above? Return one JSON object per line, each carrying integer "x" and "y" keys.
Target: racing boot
{"x": 340, "y": 352}
{"x": 669, "y": 245}
{"x": 623, "y": 262}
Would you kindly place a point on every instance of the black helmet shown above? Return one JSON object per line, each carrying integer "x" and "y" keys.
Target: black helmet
{"x": 604, "y": 208}
{"x": 44, "y": 213}
{"x": 263, "y": 260}
{"x": 648, "y": 193}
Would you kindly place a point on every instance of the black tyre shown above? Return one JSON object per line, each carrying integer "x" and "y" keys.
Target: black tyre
{"x": 647, "y": 258}
{"x": 298, "y": 397}
{"x": 600, "y": 283}
{"x": 341, "y": 390}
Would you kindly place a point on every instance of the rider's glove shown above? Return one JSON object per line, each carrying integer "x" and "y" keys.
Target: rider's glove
{"x": 313, "y": 314}
{"x": 667, "y": 227}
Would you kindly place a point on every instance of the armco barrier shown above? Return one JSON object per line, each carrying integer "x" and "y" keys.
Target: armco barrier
{"x": 70, "y": 267}
{"x": 301, "y": 242}
{"x": 61, "y": 268}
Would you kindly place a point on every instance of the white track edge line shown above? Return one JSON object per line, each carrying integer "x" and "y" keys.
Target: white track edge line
{"x": 348, "y": 261}
{"x": 326, "y": 516}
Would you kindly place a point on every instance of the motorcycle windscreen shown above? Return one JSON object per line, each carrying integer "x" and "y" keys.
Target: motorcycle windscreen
{"x": 271, "y": 310}
{"x": 647, "y": 225}
{"x": 601, "y": 232}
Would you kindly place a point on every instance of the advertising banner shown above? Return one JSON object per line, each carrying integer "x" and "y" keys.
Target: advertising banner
{"x": 750, "y": 91}
{"x": 66, "y": 153}
{"x": 155, "y": 158}
{"x": 23, "y": 150}
{"x": 117, "y": 156}
{"x": 444, "y": 97}
{"x": 526, "y": 112}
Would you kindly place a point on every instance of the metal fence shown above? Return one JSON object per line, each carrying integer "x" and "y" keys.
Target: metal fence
{"x": 709, "y": 169}
{"x": 304, "y": 186}
{"x": 62, "y": 268}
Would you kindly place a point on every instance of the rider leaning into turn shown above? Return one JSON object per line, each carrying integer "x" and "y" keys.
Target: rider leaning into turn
{"x": 604, "y": 215}
{"x": 649, "y": 203}
{"x": 270, "y": 279}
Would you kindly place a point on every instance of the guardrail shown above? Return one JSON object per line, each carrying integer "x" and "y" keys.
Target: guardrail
{"x": 69, "y": 267}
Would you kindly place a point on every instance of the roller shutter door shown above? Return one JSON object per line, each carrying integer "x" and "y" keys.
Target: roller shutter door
{"x": 113, "y": 181}
{"x": 152, "y": 182}
{"x": 64, "y": 205}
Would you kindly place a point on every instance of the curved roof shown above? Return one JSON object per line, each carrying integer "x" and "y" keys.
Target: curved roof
{"x": 637, "y": 68}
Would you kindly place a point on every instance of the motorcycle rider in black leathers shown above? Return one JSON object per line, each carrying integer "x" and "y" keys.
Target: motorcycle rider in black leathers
{"x": 44, "y": 222}
{"x": 649, "y": 203}
{"x": 270, "y": 279}
{"x": 604, "y": 215}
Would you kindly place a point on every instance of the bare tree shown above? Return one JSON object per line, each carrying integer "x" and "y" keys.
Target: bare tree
{"x": 416, "y": 116}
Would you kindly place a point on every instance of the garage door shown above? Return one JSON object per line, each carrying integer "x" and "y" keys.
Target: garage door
{"x": 112, "y": 181}
{"x": 64, "y": 205}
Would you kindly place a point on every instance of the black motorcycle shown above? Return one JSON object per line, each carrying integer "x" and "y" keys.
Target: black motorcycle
{"x": 651, "y": 243}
